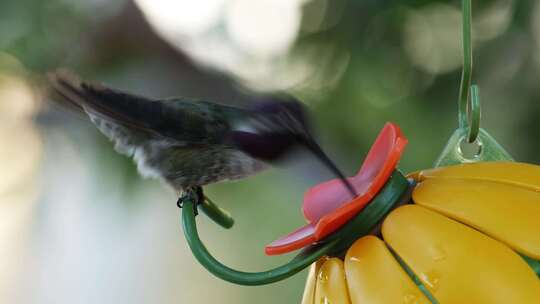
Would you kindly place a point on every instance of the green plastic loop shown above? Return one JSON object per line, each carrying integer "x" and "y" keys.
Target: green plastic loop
{"x": 469, "y": 113}
{"x": 469, "y": 101}
{"x": 473, "y": 117}
{"x": 361, "y": 225}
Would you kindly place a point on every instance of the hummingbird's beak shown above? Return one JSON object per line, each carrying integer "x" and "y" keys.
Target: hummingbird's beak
{"x": 314, "y": 148}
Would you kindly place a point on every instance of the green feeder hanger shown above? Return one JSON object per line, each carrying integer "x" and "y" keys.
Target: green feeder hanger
{"x": 469, "y": 131}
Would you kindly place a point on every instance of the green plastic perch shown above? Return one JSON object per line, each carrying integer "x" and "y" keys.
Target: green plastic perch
{"x": 362, "y": 224}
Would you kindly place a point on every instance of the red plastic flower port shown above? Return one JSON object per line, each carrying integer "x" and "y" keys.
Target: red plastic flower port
{"x": 328, "y": 206}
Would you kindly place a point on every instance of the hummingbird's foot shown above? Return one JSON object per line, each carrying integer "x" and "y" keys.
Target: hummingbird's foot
{"x": 194, "y": 194}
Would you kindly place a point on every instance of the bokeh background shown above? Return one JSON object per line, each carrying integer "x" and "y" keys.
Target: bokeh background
{"x": 78, "y": 225}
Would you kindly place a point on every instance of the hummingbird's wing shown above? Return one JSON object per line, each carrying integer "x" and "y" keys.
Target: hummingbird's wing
{"x": 179, "y": 140}
{"x": 182, "y": 120}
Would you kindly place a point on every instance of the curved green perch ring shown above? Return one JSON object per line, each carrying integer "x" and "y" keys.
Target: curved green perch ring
{"x": 219, "y": 215}
{"x": 393, "y": 192}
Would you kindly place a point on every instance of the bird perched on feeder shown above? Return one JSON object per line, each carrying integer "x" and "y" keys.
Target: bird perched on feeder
{"x": 190, "y": 143}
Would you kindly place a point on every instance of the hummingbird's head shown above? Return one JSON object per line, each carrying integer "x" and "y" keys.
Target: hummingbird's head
{"x": 277, "y": 126}
{"x": 274, "y": 127}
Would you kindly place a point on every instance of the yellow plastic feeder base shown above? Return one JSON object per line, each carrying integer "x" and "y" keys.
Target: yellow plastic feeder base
{"x": 460, "y": 241}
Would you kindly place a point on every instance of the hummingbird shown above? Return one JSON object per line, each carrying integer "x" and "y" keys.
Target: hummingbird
{"x": 192, "y": 143}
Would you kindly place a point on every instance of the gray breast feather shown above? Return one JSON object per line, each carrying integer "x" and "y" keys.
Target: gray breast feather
{"x": 125, "y": 140}
{"x": 196, "y": 166}
{"x": 185, "y": 166}
{"x": 178, "y": 164}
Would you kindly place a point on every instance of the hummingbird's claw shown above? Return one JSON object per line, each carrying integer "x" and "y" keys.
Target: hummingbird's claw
{"x": 194, "y": 194}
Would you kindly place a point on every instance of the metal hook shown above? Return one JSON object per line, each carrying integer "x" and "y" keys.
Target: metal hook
{"x": 469, "y": 100}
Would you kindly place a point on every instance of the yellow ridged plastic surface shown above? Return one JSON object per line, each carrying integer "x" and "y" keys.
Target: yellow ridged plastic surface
{"x": 504, "y": 211}
{"x": 331, "y": 286}
{"x": 375, "y": 277}
{"x": 309, "y": 291}
{"x": 456, "y": 263}
{"x": 519, "y": 174}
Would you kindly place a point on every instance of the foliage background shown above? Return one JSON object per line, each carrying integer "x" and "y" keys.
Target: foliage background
{"x": 78, "y": 225}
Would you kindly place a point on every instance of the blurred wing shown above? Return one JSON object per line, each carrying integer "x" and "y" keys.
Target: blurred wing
{"x": 183, "y": 121}
{"x": 126, "y": 133}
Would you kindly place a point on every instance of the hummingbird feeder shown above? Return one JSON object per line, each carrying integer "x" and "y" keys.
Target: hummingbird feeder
{"x": 465, "y": 231}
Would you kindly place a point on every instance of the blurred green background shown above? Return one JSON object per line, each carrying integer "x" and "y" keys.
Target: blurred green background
{"x": 78, "y": 225}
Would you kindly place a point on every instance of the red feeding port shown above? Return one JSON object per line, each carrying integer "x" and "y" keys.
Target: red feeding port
{"x": 328, "y": 206}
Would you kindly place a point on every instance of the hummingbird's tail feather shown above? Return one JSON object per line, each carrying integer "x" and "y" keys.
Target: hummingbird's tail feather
{"x": 181, "y": 120}
{"x": 60, "y": 100}
{"x": 67, "y": 85}
{"x": 96, "y": 99}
